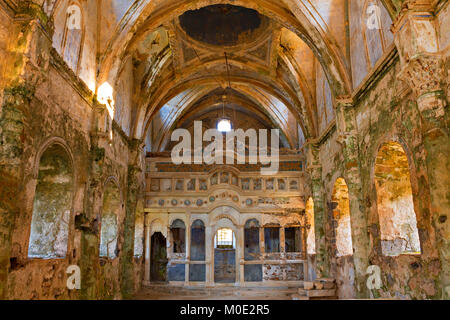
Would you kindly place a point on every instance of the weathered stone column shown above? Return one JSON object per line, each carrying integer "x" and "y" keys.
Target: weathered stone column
{"x": 88, "y": 222}
{"x": 318, "y": 194}
{"x": 240, "y": 249}
{"x": 188, "y": 249}
{"x": 425, "y": 70}
{"x": 135, "y": 191}
{"x": 347, "y": 131}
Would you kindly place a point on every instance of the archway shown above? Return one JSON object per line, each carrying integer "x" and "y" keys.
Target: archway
{"x": 398, "y": 224}
{"x": 197, "y": 271}
{"x": 311, "y": 234}
{"x": 341, "y": 218}
{"x": 52, "y": 205}
{"x": 225, "y": 256}
{"x": 158, "y": 259}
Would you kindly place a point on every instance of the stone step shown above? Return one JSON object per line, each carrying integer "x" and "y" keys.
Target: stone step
{"x": 321, "y": 293}
{"x": 263, "y": 292}
{"x": 299, "y": 297}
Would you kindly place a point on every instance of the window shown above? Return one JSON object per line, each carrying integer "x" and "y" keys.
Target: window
{"x": 73, "y": 34}
{"x": 376, "y": 33}
{"x": 52, "y": 205}
{"x": 225, "y": 239}
{"x": 398, "y": 224}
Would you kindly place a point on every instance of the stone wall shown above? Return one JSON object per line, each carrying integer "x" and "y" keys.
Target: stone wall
{"x": 44, "y": 105}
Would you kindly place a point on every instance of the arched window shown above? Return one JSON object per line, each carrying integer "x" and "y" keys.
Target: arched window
{"x": 109, "y": 225}
{"x": 73, "y": 36}
{"x": 52, "y": 205}
{"x": 398, "y": 225}
{"x": 341, "y": 215}
{"x": 376, "y": 34}
{"x": 311, "y": 236}
{"x": 178, "y": 231}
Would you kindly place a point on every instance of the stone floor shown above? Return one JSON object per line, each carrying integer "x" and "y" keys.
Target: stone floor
{"x": 167, "y": 292}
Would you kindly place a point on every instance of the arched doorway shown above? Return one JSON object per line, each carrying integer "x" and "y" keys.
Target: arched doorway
{"x": 343, "y": 263}
{"x": 398, "y": 224}
{"x": 158, "y": 258}
{"x": 341, "y": 215}
{"x": 225, "y": 256}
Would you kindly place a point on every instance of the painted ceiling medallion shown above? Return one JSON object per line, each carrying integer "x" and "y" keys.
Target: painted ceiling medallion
{"x": 187, "y": 202}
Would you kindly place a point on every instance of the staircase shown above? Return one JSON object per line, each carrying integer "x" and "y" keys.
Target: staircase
{"x": 319, "y": 289}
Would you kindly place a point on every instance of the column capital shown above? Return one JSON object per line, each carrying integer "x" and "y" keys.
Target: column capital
{"x": 425, "y": 73}
{"x": 345, "y": 119}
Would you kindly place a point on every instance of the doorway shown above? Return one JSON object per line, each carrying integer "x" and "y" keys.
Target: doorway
{"x": 158, "y": 258}
{"x": 225, "y": 256}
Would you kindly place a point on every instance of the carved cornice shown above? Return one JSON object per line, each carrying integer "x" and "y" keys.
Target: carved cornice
{"x": 425, "y": 7}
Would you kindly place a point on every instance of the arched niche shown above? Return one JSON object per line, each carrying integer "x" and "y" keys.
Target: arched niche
{"x": 109, "y": 220}
{"x": 52, "y": 204}
{"x": 178, "y": 233}
{"x": 341, "y": 215}
{"x": 398, "y": 224}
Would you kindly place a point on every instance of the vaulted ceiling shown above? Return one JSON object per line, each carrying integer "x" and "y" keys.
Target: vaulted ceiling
{"x": 260, "y": 56}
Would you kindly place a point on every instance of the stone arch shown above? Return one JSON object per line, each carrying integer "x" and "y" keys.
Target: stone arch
{"x": 395, "y": 205}
{"x": 53, "y": 199}
{"x": 341, "y": 221}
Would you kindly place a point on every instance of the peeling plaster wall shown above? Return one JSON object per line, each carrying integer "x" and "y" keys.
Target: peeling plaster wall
{"x": 382, "y": 117}
{"x": 52, "y": 105}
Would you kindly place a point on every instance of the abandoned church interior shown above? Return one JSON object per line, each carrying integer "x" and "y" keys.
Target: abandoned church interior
{"x": 93, "y": 91}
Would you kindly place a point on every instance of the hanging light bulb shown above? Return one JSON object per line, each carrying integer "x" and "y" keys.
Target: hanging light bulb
{"x": 224, "y": 125}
